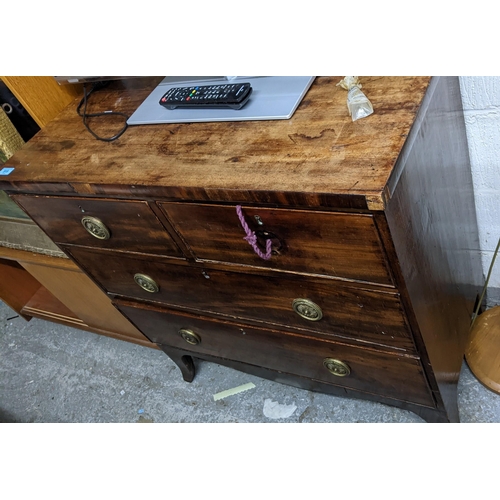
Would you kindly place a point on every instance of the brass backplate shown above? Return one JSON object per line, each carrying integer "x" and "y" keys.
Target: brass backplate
{"x": 307, "y": 309}
{"x": 336, "y": 367}
{"x": 189, "y": 336}
{"x": 146, "y": 283}
{"x": 96, "y": 227}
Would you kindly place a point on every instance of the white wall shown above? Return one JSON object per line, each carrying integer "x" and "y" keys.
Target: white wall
{"x": 481, "y": 101}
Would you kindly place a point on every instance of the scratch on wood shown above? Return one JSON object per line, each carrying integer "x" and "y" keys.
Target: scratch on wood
{"x": 81, "y": 187}
{"x": 310, "y": 137}
{"x": 375, "y": 202}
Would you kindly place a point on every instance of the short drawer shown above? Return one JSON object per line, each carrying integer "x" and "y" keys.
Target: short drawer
{"x": 327, "y": 307}
{"x": 376, "y": 372}
{"x": 334, "y": 244}
{"x": 119, "y": 225}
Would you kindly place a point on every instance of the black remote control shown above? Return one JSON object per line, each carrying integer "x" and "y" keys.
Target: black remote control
{"x": 229, "y": 95}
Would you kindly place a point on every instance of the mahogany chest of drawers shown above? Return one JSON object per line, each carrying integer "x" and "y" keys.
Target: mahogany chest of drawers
{"x": 333, "y": 255}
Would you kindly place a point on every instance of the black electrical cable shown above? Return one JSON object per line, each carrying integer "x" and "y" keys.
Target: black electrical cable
{"x": 86, "y": 115}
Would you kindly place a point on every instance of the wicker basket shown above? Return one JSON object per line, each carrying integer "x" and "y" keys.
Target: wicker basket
{"x": 10, "y": 140}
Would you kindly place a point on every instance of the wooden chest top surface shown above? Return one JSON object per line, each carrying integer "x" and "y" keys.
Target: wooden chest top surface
{"x": 319, "y": 150}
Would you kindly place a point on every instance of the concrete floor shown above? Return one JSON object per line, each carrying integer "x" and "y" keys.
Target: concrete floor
{"x": 52, "y": 373}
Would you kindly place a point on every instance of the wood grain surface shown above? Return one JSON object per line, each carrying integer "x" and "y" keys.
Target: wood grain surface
{"x": 42, "y": 96}
{"x": 374, "y": 222}
{"x": 319, "y": 151}
{"x": 390, "y": 375}
{"x": 131, "y": 224}
{"x": 349, "y": 312}
{"x": 331, "y": 244}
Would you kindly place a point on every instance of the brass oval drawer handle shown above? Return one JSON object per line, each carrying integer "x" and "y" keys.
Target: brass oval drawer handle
{"x": 146, "y": 283}
{"x": 96, "y": 227}
{"x": 307, "y": 309}
{"x": 336, "y": 367}
{"x": 189, "y": 336}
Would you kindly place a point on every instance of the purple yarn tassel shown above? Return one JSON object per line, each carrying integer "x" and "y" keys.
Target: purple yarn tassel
{"x": 252, "y": 238}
